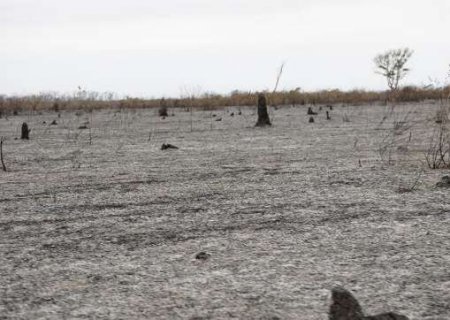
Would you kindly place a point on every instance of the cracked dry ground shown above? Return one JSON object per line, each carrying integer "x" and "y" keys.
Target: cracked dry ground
{"x": 110, "y": 230}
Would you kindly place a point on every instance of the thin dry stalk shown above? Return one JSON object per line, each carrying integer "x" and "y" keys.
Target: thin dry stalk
{"x": 1, "y": 154}
{"x": 280, "y": 72}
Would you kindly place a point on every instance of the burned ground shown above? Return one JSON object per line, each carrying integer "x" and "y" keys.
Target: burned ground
{"x": 111, "y": 229}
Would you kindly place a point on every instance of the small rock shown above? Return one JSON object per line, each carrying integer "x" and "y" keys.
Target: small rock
{"x": 345, "y": 307}
{"x": 219, "y": 119}
{"x": 82, "y": 127}
{"x": 202, "y": 256}
{"x": 444, "y": 183}
{"x": 311, "y": 120}
{"x": 53, "y": 123}
{"x": 166, "y": 146}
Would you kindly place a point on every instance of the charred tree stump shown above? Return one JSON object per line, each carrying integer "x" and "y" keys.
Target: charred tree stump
{"x": 263, "y": 115}
{"x": 328, "y": 116}
{"x": 25, "y": 132}
{"x": 163, "y": 108}
{"x": 311, "y": 112}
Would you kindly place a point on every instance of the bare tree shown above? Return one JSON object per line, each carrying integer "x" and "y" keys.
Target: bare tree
{"x": 391, "y": 65}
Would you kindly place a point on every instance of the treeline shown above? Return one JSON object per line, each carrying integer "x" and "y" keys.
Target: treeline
{"x": 206, "y": 101}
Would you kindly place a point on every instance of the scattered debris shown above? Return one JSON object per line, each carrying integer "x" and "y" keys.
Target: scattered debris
{"x": 444, "y": 183}
{"x": 202, "y": 256}
{"x": 345, "y": 307}
{"x": 166, "y": 146}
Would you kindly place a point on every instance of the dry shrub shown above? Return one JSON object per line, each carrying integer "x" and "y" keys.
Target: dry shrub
{"x": 211, "y": 101}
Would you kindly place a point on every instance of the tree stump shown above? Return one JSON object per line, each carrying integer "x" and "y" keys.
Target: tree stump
{"x": 311, "y": 112}
{"x": 328, "y": 116}
{"x": 163, "y": 108}
{"x": 263, "y": 115}
{"x": 25, "y": 132}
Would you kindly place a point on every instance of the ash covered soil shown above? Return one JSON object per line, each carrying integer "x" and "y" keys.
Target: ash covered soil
{"x": 111, "y": 229}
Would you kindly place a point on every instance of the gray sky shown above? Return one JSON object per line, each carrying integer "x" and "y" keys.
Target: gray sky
{"x": 155, "y": 48}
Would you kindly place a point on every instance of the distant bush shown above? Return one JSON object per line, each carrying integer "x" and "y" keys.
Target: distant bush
{"x": 210, "y": 101}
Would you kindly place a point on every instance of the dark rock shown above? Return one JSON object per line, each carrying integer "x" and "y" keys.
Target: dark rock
{"x": 166, "y": 146}
{"x": 82, "y": 127}
{"x": 53, "y": 123}
{"x": 444, "y": 183}
{"x": 345, "y": 307}
{"x": 330, "y": 107}
{"x": 311, "y": 120}
{"x": 202, "y": 256}
{"x": 232, "y": 114}
{"x": 219, "y": 119}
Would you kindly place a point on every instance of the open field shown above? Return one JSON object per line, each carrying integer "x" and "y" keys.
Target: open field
{"x": 110, "y": 229}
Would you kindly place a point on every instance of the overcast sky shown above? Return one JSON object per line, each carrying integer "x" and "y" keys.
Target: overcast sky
{"x": 164, "y": 48}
